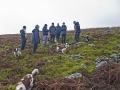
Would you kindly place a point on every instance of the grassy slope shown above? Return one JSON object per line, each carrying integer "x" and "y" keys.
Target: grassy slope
{"x": 60, "y": 65}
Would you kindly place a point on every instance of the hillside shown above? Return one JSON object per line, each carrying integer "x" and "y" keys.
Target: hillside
{"x": 54, "y": 66}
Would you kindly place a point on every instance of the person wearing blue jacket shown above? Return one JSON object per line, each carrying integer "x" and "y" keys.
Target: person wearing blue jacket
{"x": 58, "y": 31}
{"x": 52, "y": 31}
{"x": 23, "y": 37}
{"x": 77, "y": 30}
{"x": 45, "y": 34}
{"x": 64, "y": 32}
{"x": 35, "y": 38}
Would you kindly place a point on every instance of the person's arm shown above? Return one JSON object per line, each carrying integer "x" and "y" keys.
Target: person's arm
{"x": 61, "y": 28}
{"x": 75, "y": 27}
{"x": 55, "y": 30}
{"x": 22, "y": 33}
{"x": 49, "y": 29}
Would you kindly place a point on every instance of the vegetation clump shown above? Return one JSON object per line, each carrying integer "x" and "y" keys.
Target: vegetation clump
{"x": 51, "y": 64}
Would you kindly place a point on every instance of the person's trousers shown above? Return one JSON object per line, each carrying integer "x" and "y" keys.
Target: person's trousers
{"x": 63, "y": 38}
{"x": 57, "y": 36}
{"x": 45, "y": 40}
{"x": 23, "y": 43}
{"x": 35, "y": 47}
{"x": 77, "y": 37}
{"x": 52, "y": 38}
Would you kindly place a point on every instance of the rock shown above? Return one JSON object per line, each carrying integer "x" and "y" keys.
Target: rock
{"x": 91, "y": 45}
{"x": 71, "y": 42}
{"x": 50, "y": 47}
{"x": 83, "y": 65}
{"x": 114, "y": 56}
{"x": 119, "y": 46}
{"x": 97, "y": 60}
{"x": 48, "y": 61}
{"x": 78, "y": 56}
{"x": 108, "y": 30}
{"x": 101, "y": 63}
{"x": 75, "y": 75}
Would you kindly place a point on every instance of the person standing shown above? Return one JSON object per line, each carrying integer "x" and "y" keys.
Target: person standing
{"x": 45, "y": 34}
{"x": 63, "y": 32}
{"x": 35, "y": 38}
{"x": 52, "y": 31}
{"x": 58, "y": 31}
{"x": 23, "y": 37}
{"x": 77, "y": 30}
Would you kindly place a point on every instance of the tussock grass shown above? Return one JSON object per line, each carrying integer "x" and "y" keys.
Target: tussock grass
{"x": 60, "y": 65}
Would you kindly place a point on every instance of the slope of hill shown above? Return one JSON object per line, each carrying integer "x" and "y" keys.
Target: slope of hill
{"x": 79, "y": 57}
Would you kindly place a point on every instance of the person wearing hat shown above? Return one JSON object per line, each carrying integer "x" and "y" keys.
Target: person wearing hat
{"x": 77, "y": 30}
{"x": 35, "y": 38}
{"x": 23, "y": 37}
{"x": 63, "y": 32}
{"x": 52, "y": 31}
{"x": 45, "y": 34}
{"x": 58, "y": 31}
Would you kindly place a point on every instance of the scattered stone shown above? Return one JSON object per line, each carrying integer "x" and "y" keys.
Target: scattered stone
{"x": 98, "y": 62}
{"x": 78, "y": 56}
{"x": 71, "y": 42}
{"x": 114, "y": 56}
{"x": 91, "y": 45}
{"x": 108, "y": 30}
{"x": 75, "y": 75}
{"x": 84, "y": 39}
{"x": 119, "y": 46}
{"x": 101, "y": 63}
{"x": 50, "y": 47}
{"x": 83, "y": 65}
{"x": 105, "y": 57}
{"x": 48, "y": 61}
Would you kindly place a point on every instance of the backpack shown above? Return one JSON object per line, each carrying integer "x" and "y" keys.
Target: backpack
{"x": 78, "y": 27}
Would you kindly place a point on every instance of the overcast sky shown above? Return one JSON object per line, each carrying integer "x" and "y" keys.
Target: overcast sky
{"x": 90, "y": 13}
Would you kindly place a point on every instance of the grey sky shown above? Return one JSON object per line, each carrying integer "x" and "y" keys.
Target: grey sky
{"x": 90, "y": 13}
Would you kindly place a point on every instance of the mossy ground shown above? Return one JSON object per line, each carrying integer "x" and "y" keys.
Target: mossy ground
{"x": 60, "y": 65}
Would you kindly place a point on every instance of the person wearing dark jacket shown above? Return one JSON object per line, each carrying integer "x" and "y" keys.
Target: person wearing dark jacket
{"x": 52, "y": 31}
{"x": 63, "y": 32}
{"x": 58, "y": 31}
{"x": 23, "y": 37}
{"x": 45, "y": 34}
{"x": 77, "y": 30}
{"x": 35, "y": 38}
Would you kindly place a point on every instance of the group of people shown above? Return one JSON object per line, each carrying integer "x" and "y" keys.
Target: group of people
{"x": 54, "y": 31}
